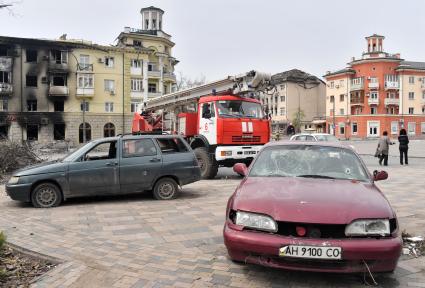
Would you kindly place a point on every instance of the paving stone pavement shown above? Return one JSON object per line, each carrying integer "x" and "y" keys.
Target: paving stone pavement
{"x": 134, "y": 241}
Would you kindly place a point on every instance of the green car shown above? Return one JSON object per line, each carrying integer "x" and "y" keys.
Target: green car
{"x": 110, "y": 166}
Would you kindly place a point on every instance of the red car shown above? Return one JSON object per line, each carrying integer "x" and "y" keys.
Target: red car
{"x": 314, "y": 207}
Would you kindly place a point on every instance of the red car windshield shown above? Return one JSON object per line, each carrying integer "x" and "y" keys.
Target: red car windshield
{"x": 310, "y": 161}
{"x": 239, "y": 109}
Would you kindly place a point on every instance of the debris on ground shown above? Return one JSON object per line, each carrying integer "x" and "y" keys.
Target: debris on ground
{"x": 413, "y": 245}
{"x": 14, "y": 155}
{"x": 18, "y": 269}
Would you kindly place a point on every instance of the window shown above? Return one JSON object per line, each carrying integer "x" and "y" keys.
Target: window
{"x": 4, "y": 131}
{"x": 4, "y": 105}
{"x": 109, "y": 106}
{"x": 423, "y": 127}
{"x": 374, "y": 95}
{"x": 109, "y": 85}
{"x": 341, "y": 98}
{"x": 332, "y": 99}
{"x": 150, "y": 67}
{"x": 208, "y": 110}
{"x": 282, "y": 99}
{"x": 373, "y": 80}
{"x": 139, "y": 148}
{"x": 411, "y": 95}
{"x": 58, "y": 106}
{"x": 5, "y": 77}
{"x": 282, "y": 86}
{"x": 332, "y": 84}
{"x": 341, "y": 128}
{"x": 411, "y": 128}
{"x": 84, "y": 62}
{"x": 341, "y": 111}
{"x": 32, "y": 132}
{"x": 60, "y": 57}
{"x": 59, "y": 131}
{"x": 136, "y": 85}
{"x": 171, "y": 145}
{"x": 423, "y": 110}
{"x": 59, "y": 80}
{"x": 31, "y": 81}
{"x": 391, "y": 95}
{"x": 394, "y": 127}
{"x": 411, "y": 110}
{"x": 85, "y": 106}
{"x": 31, "y": 55}
{"x": 152, "y": 88}
{"x": 411, "y": 80}
{"x": 373, "y": 110}
{"x": 109, "y": 62}
{"x": 341, "y": 83}
{"x": 391, "y": 110}
{"x": 136, "y": 63}
{"x": 423, "y": 93}
{"x": 137, "y": 43}
{"x": 282, "y": 111}
{"x": 146, "y": 24}
{"x": 102, "y": 151}
{"x": 109, "y": 130}
{"x": 31, "y": 105}
{"x": 84, "y": 128}
{"x": 153, "y": 23}
{"x": 354, "y": 128}
{"x": 85, "y": 81}
{"x": 134, "y": 107}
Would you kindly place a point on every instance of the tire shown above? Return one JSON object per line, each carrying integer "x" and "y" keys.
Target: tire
{"x": 46, "y": 195}
{"x": 208, "y": 165}
{"x": 165, "y": 189}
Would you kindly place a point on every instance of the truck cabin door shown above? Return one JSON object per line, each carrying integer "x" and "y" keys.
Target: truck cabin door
{"x": 208, "y": 122}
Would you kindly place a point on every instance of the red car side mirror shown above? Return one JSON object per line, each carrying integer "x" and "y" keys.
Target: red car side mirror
{"x": 240, "y": 168}
{"x": 379, "y": 175}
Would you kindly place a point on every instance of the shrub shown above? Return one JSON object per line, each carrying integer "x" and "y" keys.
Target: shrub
{"x": 2, "y": 240}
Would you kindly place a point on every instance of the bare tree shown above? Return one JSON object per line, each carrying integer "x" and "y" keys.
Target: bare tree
{"x": 8, "y": 6}
{"x": 184, "y": 82}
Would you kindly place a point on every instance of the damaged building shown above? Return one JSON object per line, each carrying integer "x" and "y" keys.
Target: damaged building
{"x": 296, "y": 92}
{"x": 76, "y": 91}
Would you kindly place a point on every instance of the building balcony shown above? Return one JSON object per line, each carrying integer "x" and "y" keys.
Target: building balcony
{"x": 136, "y": 94}
{"x": 423, "y": 86}
{"x": 85, "y": 67}
{"x": 170, "y": 77}
{"x": 55, "y": 67}
{"x": 58, "y": 91}
{"x": 356, "y": 86}
{"x": 391, "y": 101}
{"x": 85, "y": 92}
{"x": 373, "y": 101}
{"x": 154, "y": 74}
{"x": 154, "y": 94}
{"x": 6, "y": 88}
{"x": 374, "y": 85}
{"x": 136, "y": 71}
{"x": 391, "y": 85}
{"x": 357, "y": 101}
{"x": 6, "y": 63}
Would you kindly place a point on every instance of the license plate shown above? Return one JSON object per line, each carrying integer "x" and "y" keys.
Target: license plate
{"x": 311, "y": 252}
{"x": 249, "y": 152}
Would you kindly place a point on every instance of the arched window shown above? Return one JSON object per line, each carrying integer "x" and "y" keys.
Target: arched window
{"x": 109, "y": 130}
{"x": 87, "y": 129}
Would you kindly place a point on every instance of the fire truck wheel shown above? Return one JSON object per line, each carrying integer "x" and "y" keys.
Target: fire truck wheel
{"x": 165, "y": 189}
{"x": 209, "y": 166}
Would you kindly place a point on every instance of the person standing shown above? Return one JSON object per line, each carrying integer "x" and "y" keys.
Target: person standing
{"x": 383, "y": 148}
{"x": 290, "y": 130}
{"x": 403, "y": 146}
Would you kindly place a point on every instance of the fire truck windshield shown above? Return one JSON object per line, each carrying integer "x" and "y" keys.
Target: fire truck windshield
{"x": 239, "y": 109}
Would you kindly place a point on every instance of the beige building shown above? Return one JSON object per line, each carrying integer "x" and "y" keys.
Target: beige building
{"x": 296, "y": 92}
{"x": 49, "y": 89}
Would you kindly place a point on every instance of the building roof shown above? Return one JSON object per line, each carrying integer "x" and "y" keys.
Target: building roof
{"x": 151, "y": 8}
{"x": 341, "y": 71}
{"x": 296, "y": 76}
{"x": 411, "y": 65}
{"x": 375, "y": 36}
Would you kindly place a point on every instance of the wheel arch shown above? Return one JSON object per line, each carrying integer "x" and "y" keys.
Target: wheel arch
{"x": 174, "y": 177}
{"x": 51, "y": 181}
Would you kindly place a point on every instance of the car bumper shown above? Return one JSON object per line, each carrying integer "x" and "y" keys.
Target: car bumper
{"x": 19, "y": 192}
{"x": 381, "y": 255}
{"x": 236, "y": 152}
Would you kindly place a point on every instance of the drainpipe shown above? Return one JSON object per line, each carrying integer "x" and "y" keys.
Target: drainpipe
{"x": 123, "y": 116}
{"x": 22, "y": 96}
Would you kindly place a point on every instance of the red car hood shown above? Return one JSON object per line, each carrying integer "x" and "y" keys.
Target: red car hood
{"x": 308, "y": 200}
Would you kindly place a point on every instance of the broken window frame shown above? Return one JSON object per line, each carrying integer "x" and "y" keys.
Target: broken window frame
{"x": 32, "y": 105}
{"x": 5, "y": 77}
{"x": 57, "y": 129}
{"x": 32, "y": 135}
{"x": 4, "y": 104}
{"x": 109, "y": 62}
{"x": 60, "y": 56}
{"x": 59, "y": 106}
{"x": 33, "y": 55}
{"x": 31, "y": 83}
{"x": 63, "y": 76}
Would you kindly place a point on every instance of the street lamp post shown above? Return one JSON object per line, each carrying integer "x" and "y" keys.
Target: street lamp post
{"x": 334, "y": 124}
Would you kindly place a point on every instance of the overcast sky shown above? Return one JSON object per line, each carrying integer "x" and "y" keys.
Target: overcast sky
{"x": 217, "y": 38}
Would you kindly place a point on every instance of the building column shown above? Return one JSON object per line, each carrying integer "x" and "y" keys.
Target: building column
{"x": 161, "y": 71}
{"x": 150, "y": 20}
{"x": 145, "y": 80}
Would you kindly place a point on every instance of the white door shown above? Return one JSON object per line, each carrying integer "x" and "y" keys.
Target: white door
{"x": 372, "y": 128}
{"x": 208, "y": 122}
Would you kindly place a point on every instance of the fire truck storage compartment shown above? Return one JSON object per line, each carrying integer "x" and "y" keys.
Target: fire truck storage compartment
{"x": 187, "y": 124}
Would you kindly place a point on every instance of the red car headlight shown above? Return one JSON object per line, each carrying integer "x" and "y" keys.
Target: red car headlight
{"x": 255, "y": 221}
{"x": 378, "y": 227}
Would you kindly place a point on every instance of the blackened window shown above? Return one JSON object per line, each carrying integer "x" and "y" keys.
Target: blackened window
{"x": 137, "y": 43}
{"x": 84, "y": 129}
{"x": 31, "y": 81}
{"x": 59, "y": 131}
{"x": 4, "y": 77}
{"x": 31, "y": 55}
{"x": 59, "y": 106}
{"x": 32, "y": 105}
{"x": 109, "y": 130}
{"x": 3, "y": 51}
{"x": 32, "y": 132}
{"x": 59, "y": 80}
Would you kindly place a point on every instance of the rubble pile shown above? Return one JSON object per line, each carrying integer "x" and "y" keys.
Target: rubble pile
{"x": 414, "y": 246}
{"x": 15, "y": 155}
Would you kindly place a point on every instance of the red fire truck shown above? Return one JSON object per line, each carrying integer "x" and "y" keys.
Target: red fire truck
{"x": 223, "y": 121}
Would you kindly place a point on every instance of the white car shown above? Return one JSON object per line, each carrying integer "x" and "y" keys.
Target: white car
{"x": 314, "y": 137}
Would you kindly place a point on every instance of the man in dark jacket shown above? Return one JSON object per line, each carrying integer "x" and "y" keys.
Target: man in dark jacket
{"x": 290, "y": 130}
{"x": 404, "y": 146}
